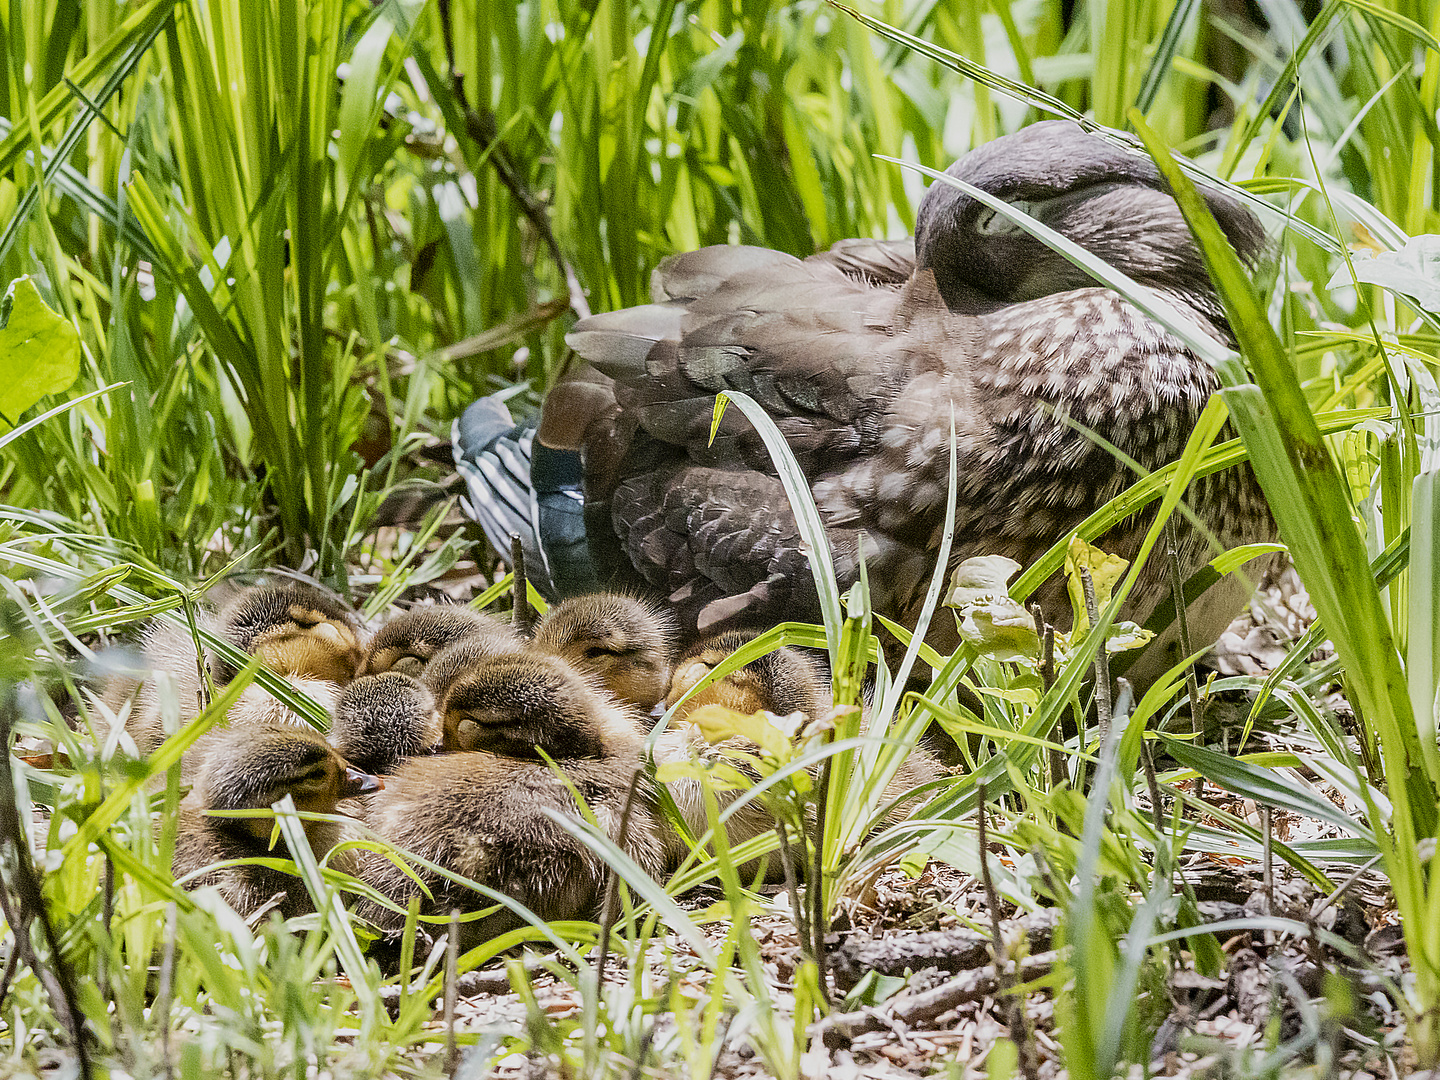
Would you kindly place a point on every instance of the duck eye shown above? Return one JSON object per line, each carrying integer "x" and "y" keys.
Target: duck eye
{"x": 595, "y": 652}
{"x": 993, "y": 223}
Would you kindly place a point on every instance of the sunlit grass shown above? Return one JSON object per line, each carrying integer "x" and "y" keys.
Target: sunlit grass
{"x": 293, "y": 240}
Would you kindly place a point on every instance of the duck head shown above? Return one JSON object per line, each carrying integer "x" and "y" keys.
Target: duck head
{"x": 408, "y": 642}
{"x": 519, "y": 705}
{"x": 782, "y": 682}
{"x": 382, "y": 719}
{"x": 296, "y": 629}
{"x": 1108, "y": 200}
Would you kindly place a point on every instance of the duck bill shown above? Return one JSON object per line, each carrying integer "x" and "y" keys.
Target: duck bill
{"x": 359, "y": 783}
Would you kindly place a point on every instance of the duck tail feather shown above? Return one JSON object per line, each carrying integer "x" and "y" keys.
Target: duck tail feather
{"x": 492, "y": 454}
{"x": 618, "y": 342}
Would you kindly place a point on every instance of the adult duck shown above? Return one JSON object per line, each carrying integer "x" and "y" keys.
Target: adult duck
{"x": 861, "y": 354}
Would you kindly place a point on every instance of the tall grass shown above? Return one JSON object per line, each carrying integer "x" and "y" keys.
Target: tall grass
{"x": 294, "y": 239}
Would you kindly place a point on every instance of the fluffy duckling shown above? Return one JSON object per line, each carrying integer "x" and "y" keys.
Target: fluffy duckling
{"x": 784, "y": 681}
{"x": 625, "y": 643}
{"x": 483, "y": 815}
{"x": 519, "y": 705}
{"x": 380, "y": 720}
{"x": 454, "y": 661}
{"x": 300, "y": 632}
{"x": 253, "y": 768}
{"x": 295, "y": 628}
{"x": 408, "y": 642}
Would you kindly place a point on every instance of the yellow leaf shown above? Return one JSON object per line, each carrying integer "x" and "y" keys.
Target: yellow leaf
{"x": 717, "y": 723}
{"x": 1106, "y": 570}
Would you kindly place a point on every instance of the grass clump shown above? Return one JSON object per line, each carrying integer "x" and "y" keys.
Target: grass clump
{"x": 279, "y": 248}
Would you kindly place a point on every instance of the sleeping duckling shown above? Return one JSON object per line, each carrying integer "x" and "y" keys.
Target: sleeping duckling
{"x": 782, "y": 682}
{"x": 519, "y": 705}
{"x": 254, "y": 767}
{"x": 301, "y": 633}
{"x": 456, "y": 659}
{"x": 408, "y": 642}
{"x": 483, "y": 816}
{"x": 380, "y": 720}
{"x": 295, "y": 628}
{"x": 624, "y": 642}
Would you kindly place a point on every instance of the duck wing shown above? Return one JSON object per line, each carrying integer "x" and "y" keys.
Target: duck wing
{"x": 810, "y": 342}
{"x": 876, "y": 262}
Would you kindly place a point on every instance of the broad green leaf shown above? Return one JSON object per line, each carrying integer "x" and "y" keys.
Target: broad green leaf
{"x": 1261, "y": 784}
{"x": 39, "y": 352}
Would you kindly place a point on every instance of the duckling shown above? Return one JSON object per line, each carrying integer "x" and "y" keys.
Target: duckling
{"x": 625, "y": 642}
{"x": 518, "y": 706}
{"x": 295, "y": 628}
{"x": 483, "y": 815}
{"x": 253, "y": 768}
{"x": 784, "y": 681}
{"x": 453, "y": 661}
{"x": 380, "y": 720}
{"x": 408, "y": 642}
{"x": 300, "y": 632}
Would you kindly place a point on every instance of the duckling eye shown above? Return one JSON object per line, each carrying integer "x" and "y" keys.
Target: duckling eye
{"x": 595, "y": 652}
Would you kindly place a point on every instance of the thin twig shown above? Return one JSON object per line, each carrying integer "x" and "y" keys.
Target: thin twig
{"x": 1182, "y": 623}
{"x": 452, "y": 959}
{"x": 482, "y": 127}
{"x": 520, "y": 586}
{"x": 1344, "y": 886}
{"x": 1102, "y": 660}
{"x": 612, "y": 887}
{"x": 792, "y": 886}
{"x": 1019, "y": 1028}
{"x": 1152, "y": 782}
{"x": 12, "y": 963}
{"x": 1046, "y": 633}
{"x": 29, "y": 901}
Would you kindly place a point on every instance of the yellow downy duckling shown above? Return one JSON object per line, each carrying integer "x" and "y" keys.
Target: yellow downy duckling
{"x": 253, "y": 767}
{"x": 628, "y": 645}
{"x": 481, "y": 811}
{"x": 300, "y": 632}
{"x": 782, "y": 682}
